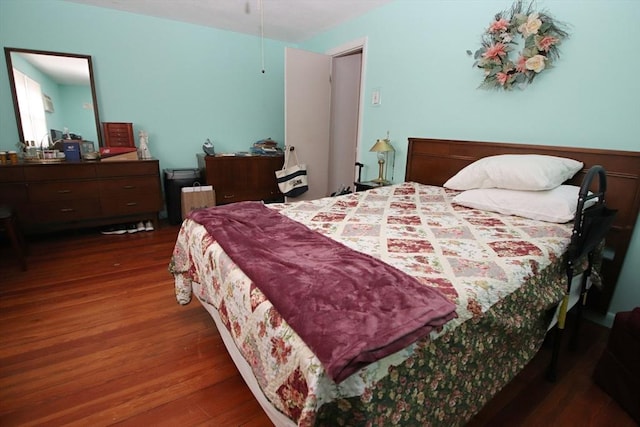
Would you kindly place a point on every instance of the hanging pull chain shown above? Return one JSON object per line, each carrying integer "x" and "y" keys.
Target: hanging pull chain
{"x": 261, "y": 5}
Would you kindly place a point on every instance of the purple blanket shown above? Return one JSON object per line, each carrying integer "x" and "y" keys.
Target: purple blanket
{"x": 348, "y": 307}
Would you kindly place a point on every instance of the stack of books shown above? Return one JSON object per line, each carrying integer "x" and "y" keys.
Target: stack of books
{"x": 266, "y": 147}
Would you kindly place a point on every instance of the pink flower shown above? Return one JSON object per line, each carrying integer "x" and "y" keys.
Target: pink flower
{"x": 544, "y": 43}
{"x": 495, "y": 52}
{"x": 499, "y": 25}
{"x": 521, "y": 66}
{"x": 502, "y": 78}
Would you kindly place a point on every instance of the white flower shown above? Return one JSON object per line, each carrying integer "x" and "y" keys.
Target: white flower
{"x": 531, "y": 26}
{"x": 535, "y": 63}
{"x": 506, "y": 37}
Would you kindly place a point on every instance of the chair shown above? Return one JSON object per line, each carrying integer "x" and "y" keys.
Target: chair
{"x": 589, "y": 229}
{"x": 9, "y": 223}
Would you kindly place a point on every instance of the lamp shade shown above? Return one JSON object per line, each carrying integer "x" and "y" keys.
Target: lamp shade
{"x": 382, "y": 146}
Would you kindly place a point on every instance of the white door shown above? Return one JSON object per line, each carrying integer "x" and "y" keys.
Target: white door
{"x": 307, "y": 116}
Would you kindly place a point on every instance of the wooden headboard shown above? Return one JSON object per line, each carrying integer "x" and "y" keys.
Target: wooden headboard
{"x": 434, "y": 161}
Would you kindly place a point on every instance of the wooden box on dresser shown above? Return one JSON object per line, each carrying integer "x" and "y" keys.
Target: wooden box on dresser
{"x": 66, "y": 195}
{"x": 118, "y": 134}
{"x": 241, "y": 178}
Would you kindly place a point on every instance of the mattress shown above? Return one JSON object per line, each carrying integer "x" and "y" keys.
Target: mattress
{"x": 505, "y": 274}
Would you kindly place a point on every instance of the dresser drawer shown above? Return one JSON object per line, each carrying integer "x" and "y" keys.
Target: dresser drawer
{"x": 62, "y": 190}
{"x": 122, "y": 205}
{"x": 227, "y": 197}
{"x": 128, "y": 168}
{"x": 126, "y": 187}
{"x": 63, "y": 171}
{"x": 11, "y": 173}
{"x": 65, "y": 210}
{"x": 13, "y": 194}
{"x": 237, "y": 179}
{"x": 238, "y": 195}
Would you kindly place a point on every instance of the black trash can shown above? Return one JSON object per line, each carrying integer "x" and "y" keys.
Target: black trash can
{"x": 174, "y": 180}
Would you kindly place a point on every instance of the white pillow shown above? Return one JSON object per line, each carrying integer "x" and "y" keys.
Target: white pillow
{"x": 557, "y": 205}
{"x": 515, "y": 172}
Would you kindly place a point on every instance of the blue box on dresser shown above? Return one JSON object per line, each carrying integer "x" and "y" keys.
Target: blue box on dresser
{"x": 71, "y": 150}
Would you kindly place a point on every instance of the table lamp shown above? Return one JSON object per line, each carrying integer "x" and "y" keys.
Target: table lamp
{"x": 382, "y": 148}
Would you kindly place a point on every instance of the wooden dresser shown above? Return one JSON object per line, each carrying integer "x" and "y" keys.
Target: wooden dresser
{"x": 240, "y": 178}
{"x": 66, "y": 195}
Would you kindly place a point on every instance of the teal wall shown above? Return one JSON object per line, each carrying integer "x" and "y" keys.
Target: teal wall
{"x": 77, "y": 118}
{"x": 416, "y": 57}
{"x": 185, "y": 83}
{"x": 181, "y": 83}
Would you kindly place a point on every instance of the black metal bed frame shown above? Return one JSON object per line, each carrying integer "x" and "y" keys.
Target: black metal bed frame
{"x": 589, "y": 229}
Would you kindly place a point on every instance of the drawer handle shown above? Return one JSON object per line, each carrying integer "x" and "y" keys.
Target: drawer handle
{"x": 64, "y": 191}
{"x": 67, "y": 210}
{"x": 132, "y": 203}
{"x": 229, "y": 196}
{"x": 129, "y": 187}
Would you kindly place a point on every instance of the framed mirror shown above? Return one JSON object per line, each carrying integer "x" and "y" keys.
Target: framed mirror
{"x": 54, "y": 96}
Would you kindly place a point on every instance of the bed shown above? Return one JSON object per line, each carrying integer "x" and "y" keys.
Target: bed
{"x": 504, "y": 296}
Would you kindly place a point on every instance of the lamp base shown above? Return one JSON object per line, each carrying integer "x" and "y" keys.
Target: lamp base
{"x": 380, "y": 181}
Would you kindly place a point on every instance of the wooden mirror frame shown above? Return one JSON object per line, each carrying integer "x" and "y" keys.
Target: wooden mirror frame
{"x": 9, "y": 50}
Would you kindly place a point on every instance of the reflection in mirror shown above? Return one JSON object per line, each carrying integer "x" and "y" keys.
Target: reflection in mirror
{"x": 54, "y": 97}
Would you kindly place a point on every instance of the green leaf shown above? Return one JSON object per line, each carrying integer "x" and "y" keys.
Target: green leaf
{"x": 520, "y": 78}
{"x": 530, "y": 41}
{"x": 544, "y": 27}
{"x": 520, "y": 19}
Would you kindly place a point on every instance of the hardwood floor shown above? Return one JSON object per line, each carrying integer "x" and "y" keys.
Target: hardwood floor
{"x": 92, "y": 335}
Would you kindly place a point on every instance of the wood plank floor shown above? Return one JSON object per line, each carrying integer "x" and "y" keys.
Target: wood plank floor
{"x": 91, "y": 335}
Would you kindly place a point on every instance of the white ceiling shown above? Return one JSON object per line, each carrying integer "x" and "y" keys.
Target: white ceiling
{"x": 61, "y": 69}
{"x": 291, "y": 21}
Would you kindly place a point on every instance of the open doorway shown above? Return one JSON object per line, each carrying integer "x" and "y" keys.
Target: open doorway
{"x": 345, "y": 113}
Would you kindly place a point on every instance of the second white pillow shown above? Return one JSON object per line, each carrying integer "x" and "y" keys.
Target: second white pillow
{"x": 557, "y": 205}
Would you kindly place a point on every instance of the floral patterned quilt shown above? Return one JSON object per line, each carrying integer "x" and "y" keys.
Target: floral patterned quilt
{"x": 504, "y": 273}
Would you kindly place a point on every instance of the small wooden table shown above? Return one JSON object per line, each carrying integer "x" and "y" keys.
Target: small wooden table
{"x": 368, "y": 185}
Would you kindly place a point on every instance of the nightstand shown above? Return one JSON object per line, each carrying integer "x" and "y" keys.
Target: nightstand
{"x": 368, "y": 185}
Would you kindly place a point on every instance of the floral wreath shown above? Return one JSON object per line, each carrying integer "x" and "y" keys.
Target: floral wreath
{"x": 542, "y": 36}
